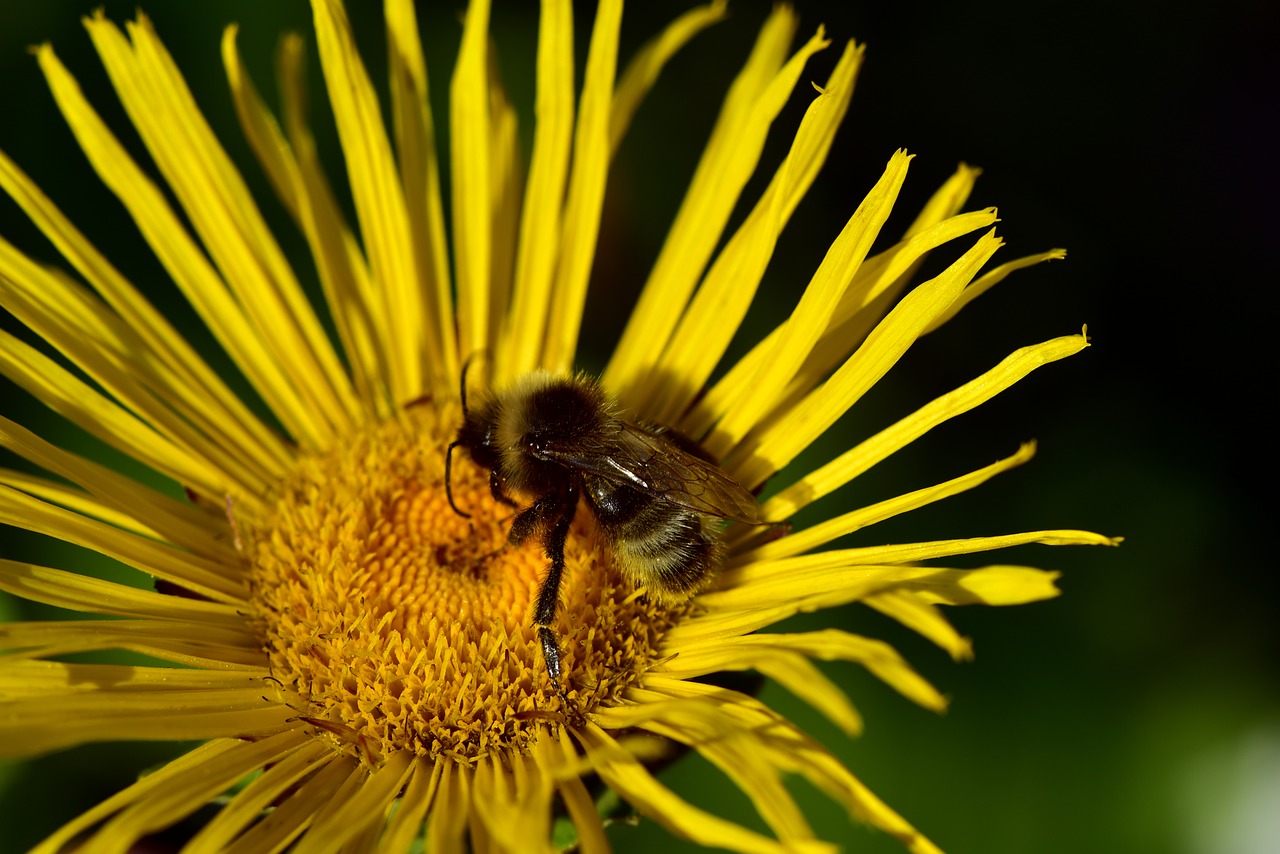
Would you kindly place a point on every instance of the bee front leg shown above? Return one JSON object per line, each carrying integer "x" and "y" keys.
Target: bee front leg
{"x": 496, "y": 490}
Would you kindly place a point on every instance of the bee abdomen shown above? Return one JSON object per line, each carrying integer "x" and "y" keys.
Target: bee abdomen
{"x": 666, "y": 548}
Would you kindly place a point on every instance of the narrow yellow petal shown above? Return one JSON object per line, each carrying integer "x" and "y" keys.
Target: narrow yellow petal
{"x": 74, "y": 500}
{"x": 506, "y": 180}
{"x": 512, "y": 804}
{"x": 857, "y": 460}
{"x": 146, "y": 786}
{"x": 754, "y": 101}
{"x": 643, "y": 69}
{"x": 77, "y": 592}
{"x": 797, "y": 753}
{"x": 120, "y": 500}
{"x": 586, "y": 191}
{"x": 824, "y": 532}
{"x": 722, "y": 300}
{"x": 881, "y": 271}
{"x": 984, "y": 284}
{"x": 833, "y": 645}
{"x": 947, "y": 201}
{"x": 738, "y": 756}
{"x": 586, "y": 819}
{"x": 521, "y": 346}
{"x": 420, "y": 175}
{"x": 642, "y": 790}
{"x": 813, "y": 313}
{"x": 772, "y": 596}
{"x": 369, "y": 805}
{"x": 921, "y": 617}
{"x": 406, "y": 823}
{"x": 213, "y": 648}
{"x": 181, "y": 257}
{"x": 290, "y": 819}
{"x": 82, "y": 329}
{"x": 378, "y": 197}
{"x": 223, "y": 212}
{"x": 767, "y": 451}
{"x": 62, "y": 392}
{"x": 193, "y": 381}
{"x": 471, "y": 193}
{"x": 217, "y": 581}
{"x": 249, "y": 804}
{"x": 447, "y": 821}
{"x": 186, "y": 793}
{"x": 53, "y": 705}
{"x": 911, "y": 552}
{"x": 788, "y": 668}
{"x": 304, "y": 191}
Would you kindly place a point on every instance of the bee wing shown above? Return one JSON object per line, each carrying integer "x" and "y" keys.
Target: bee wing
{"x": 653, "y": 464}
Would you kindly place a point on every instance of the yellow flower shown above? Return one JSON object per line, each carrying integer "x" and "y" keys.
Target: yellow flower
{"x": 357, "y": 657}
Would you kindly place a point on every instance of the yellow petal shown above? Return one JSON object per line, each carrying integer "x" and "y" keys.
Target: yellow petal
{"x": 771, "y": 597}
{"x": 506, "y": 180}
{"x": 220, "y": 582}
{"x": 824, "y": 532}
{"x": 472, "y": 219}
{"x": 829, "y": 645}
{"x": 81, "y": 404}
{"x": 194, "y": 389}
{"x": 377, "y": 194}
{"x": 920, "y": 616}
{"x": 115, "y": 498}
{"x": 909, "y": 553}
{"x": 155, "y": 782}
{"x": 213, "y": 648}
{"x": 406, "y": 823}
{"x": 540, "y": 232}
{"x": 787, "y": 352}
{"x": 369, "y": 805}
{"x": 721, "y": 302}
{"x": 643, "y": 69}
{"x": 185, "y": 793}
{"x": 586, "y": 191}
{"x": 78, "y": 592}
{"x": 288, "y": 820}
{"x": 754, "y": 100}
{"x": 181, "y": 257}
{"x": 420, "y": 176}
{"x": 304, "y": 191}
{"x": 221, "y": 210}
{"x": 946, "y": 201}
{"x": 886, "y": 270}
{"x": 262, "y": 793}
{"x": 761, "y": 455}
{"x": 988, "y": 281}
{"x": 858, "y": 459}
{"x": 447, "y": 820}
{"x": 54, "y": 705}
{"x": 639, "y": 788}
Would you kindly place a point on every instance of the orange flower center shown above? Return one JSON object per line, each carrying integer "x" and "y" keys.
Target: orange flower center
{"x": 393, "y": 623}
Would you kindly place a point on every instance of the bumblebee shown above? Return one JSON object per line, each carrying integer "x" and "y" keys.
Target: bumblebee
{"x": 657, "y": 497}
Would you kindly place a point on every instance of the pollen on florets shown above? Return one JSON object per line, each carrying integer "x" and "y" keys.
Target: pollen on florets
{"x": 392, "y": 623}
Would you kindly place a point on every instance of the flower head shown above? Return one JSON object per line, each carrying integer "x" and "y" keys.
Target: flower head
{"x": 357, "y": 622}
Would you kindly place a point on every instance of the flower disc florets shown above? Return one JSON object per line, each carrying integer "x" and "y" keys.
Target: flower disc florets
{"x": 394, "y": 623}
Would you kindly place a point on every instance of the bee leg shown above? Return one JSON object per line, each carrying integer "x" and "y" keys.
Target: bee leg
{"x": 495, "y": 489}
{"x": 549, "y": 592}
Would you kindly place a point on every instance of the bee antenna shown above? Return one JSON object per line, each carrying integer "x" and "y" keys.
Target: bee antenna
{"x": 448, "y": 467}
{"x": 466, "y": 366}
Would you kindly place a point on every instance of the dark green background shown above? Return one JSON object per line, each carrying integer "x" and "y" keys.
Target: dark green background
{"x": 1138, "y": 712}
